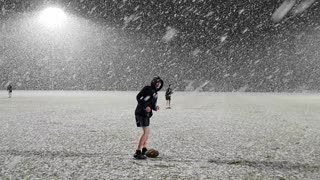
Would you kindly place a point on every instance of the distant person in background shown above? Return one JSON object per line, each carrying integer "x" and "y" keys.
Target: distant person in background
{"x": 168, "y": 96}
{"x": 9, "y": 89}
{"x": 147, "y": 101}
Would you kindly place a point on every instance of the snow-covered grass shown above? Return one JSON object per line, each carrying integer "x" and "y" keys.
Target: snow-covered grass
{"x": 92, "y": 135}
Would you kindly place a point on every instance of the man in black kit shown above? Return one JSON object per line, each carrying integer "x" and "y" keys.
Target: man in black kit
{"x": 9, "y": 89}
{"x": 147, "y": 101}
{"x": 168, "y": 96}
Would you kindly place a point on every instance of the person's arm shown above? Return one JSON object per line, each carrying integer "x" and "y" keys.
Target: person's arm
{"x": 155, "y": 107}
{"x": 140, "y": 96}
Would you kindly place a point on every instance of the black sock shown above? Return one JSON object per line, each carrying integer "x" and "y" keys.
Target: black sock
{"x": 138, "y": 152}
{"x": 144, "y": 150}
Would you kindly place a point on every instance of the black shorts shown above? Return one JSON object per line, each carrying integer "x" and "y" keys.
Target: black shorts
{"x": 168, "y": 97}
{"x": 142, "y": 121}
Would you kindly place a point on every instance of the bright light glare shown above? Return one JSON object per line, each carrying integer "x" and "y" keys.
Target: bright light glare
{"x": 52, "y": 17}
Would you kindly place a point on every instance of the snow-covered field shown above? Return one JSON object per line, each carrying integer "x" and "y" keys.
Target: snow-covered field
{"x": 92, "y": 135}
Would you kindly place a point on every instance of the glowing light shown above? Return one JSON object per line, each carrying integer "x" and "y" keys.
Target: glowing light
{"x": 52, "y": 17}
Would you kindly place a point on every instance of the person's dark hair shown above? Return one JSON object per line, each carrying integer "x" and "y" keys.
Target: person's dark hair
{"x": 155, "y": 80}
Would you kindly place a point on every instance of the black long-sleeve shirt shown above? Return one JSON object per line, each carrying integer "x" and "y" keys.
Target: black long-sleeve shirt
{"x": 169, "y": 92}
{"x": 9, "y": 88}
{"x": 148, "y": 96}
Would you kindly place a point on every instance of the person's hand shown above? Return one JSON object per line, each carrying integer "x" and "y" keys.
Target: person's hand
{"x": 148, "y": 109}
{"x": 157, "y": 108}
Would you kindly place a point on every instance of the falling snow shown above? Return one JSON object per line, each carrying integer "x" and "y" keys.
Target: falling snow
{"x": 303, "y": 6}
{"x": 170, "y": 34}
{"x": 121, "y": 45}
{"x": 223, "y": 38}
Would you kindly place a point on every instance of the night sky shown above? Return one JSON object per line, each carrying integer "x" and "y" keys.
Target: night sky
{"x": 221, "y": 45}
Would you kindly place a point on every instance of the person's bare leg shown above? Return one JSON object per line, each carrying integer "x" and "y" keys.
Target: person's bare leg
{"x": 144, "y": 138}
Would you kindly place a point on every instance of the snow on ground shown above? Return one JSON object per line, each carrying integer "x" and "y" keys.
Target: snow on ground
{"x": 92, "y": 135}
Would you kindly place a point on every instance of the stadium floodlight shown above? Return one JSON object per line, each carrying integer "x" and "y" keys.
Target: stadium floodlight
{"x": 52, "y": 17}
